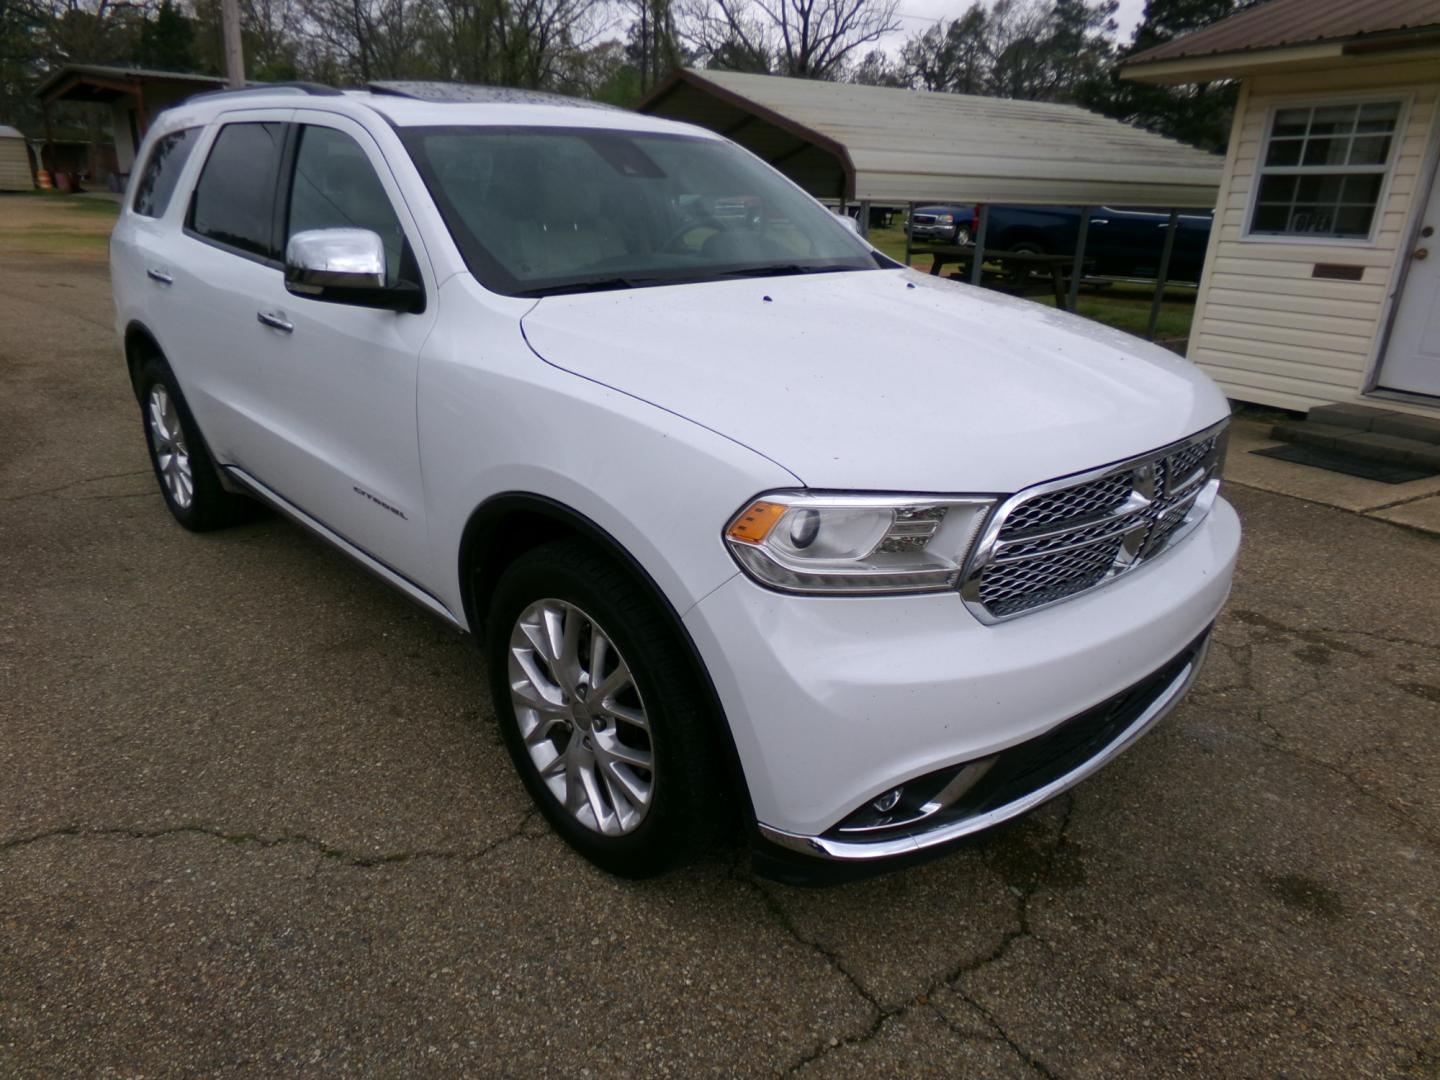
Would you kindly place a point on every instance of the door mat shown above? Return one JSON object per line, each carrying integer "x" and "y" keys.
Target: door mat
{"x": 1320, "y": 458}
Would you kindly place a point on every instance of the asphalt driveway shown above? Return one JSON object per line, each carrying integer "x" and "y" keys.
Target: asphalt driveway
{"x": 255, "y": 818}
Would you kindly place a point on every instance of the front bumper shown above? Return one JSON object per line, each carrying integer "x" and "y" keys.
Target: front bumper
{"x": 834, "y": 701}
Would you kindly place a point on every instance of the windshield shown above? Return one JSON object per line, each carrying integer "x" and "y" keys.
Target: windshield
{"x": 538, "y": 211}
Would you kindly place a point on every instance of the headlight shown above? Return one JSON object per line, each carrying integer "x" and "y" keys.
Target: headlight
{"x": 819, "y": 543}
{"x": 946, "y": 219}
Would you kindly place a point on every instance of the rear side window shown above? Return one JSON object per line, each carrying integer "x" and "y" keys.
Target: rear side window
{"x": 162, "y": 172}
{"x": 234, "y": 201}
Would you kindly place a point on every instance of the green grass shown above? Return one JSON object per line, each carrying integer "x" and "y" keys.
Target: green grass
{"x": 86, "y": 204}
{"x": 1123, "y": 305}
{"x": 56, "y": 240}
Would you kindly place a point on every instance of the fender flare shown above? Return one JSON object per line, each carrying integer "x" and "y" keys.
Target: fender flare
{"x": 487, "y": 547}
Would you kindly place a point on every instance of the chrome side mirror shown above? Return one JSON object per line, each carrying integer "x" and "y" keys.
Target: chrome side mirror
{"x": 849, "y": 222}
{"x": 346, "y": 266}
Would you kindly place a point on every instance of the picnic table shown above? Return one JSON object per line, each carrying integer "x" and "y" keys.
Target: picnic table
{"x": 962, "y": 254}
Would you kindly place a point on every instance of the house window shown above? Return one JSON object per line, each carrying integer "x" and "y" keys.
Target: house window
{"x": 1323, "y": 170}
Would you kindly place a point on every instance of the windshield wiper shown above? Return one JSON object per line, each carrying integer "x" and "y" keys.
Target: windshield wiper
{"x": 780, "y": 270}
{"x": 611, "y": 283}
{"x": 595, "y": 285}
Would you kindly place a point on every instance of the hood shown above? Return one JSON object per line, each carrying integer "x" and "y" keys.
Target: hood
{"x": 884, "y": 380}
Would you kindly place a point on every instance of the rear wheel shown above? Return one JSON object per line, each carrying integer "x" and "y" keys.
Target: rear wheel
{"x": 187, "y": 476}
{"x": 1015, "y": 271}
{"x": 600, "y": 710}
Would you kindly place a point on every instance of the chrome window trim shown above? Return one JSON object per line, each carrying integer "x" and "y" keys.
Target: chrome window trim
{"x": 1129, "y": 520}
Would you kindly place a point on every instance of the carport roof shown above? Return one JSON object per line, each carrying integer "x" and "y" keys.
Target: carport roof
{"x": 898, "y": 146}
{"x": 105, "y": 83}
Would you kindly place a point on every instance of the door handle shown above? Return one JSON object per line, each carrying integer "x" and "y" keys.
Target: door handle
{"x": 159, "y": 275}
{"x": 1099, "y": 221}
{"x": 275, "y": 320}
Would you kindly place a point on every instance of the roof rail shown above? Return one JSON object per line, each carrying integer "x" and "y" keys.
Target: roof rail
{"x": 475, "y": 93}
{"x": 313, "y": 88}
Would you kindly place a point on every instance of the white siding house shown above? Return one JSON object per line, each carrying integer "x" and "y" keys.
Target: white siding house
{"x": 1322, "y": 277}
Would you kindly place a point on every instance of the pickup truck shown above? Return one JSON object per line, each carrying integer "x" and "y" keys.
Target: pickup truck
{"x": 1122, "y": 242}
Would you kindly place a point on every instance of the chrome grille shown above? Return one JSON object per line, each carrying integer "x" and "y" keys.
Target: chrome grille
{"x": 1063, "y": 538}
{"x": 1082, "y": 501}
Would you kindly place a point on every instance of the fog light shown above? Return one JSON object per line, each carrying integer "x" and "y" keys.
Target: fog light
{"x": 887, "y": 802}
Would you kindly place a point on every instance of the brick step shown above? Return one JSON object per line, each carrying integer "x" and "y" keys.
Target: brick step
{"x": 1369, "y": 444}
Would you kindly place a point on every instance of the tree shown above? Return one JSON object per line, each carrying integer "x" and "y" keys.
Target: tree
{"x": 20, "y": 63}
{"x": 167, "y": 40}
{"x": 654, "y": 45}
{"x": 1197, "y": 114}
{"x": 1041, "y": 50}
{"x": 811, "y": 39}
{"x": 953, "y": 57}
{"x": 877, "y": 69}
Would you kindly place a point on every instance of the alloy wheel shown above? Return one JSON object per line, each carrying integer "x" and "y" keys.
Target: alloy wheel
{"x": 581, "y": 717}
{"x": 172, "y": 457}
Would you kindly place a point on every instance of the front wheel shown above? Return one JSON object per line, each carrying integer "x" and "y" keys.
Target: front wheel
{"x": 600, "y": 710}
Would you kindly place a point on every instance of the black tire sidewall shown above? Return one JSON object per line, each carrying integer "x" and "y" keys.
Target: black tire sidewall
{"x": 577, "y": 574}
{"x": 211, "y": 506}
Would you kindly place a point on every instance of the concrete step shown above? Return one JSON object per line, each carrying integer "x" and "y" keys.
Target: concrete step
{"x": 1384, "y": 421}
{"x": 1372, "y": 445}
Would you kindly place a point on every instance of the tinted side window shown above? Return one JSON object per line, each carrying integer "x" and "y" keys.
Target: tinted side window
{"x": 162, "y": 172}
{"x": 335, "y": 187}
{"x": 235, "y": 198}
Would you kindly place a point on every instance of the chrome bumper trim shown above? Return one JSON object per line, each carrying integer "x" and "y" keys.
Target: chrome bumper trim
{"x": 823, "y": 847}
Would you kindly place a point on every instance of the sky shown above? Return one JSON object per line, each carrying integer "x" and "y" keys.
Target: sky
{"x": 921, "y": 14}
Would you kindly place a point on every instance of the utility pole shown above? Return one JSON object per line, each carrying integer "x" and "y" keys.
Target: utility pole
{"x": 234, "y": 54}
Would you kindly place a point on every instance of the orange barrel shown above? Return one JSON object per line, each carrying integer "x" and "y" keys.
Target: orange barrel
{"x": 42, "y": 179}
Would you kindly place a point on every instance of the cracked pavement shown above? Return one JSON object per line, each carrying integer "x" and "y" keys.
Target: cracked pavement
{"x": 255, "y": 818}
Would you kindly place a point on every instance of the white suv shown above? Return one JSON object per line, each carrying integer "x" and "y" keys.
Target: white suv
{"x": 748, "y": 516}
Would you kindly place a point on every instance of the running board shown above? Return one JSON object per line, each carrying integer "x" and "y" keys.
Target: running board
{"x": 391, "y": 577}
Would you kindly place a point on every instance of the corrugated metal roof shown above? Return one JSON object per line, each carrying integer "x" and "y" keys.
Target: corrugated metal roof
{"x": 899, "y": 146}
{"x": 7, "y": 132}
{"x": 1284, "y": 23}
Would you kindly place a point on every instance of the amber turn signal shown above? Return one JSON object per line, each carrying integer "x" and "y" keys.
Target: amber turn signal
{"x": 755, "y": 523}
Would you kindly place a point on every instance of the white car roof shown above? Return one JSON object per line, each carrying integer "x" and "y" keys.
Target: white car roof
{"x": 428, "y": 105}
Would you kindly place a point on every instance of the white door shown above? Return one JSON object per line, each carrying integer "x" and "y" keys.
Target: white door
{"x": 1412, "y": 357}
{"x": 338, "y": 380}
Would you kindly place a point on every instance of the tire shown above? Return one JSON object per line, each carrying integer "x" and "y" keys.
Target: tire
{"x": 1019, "y": 273}
{"x": 183, "y": 467}
{"x": 962, "y": 236}
{"x": 580, "y": 595}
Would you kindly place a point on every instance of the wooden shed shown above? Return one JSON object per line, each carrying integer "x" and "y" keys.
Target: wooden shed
{"x": 1322, "y": 282}
{"x": 15, "y": 174}
{"x": 132, "y": 95}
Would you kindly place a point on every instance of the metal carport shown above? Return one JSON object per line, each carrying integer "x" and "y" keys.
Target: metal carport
{"x": 871, "y": 144}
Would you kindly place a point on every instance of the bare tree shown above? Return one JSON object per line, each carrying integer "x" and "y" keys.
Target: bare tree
{"x": 1031, "y": 49}
{"x": 513, "y": 42}
{"x": 654, "y": 41}
{"x": 366, "y": 39}
{"x": 811, "y": 39}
